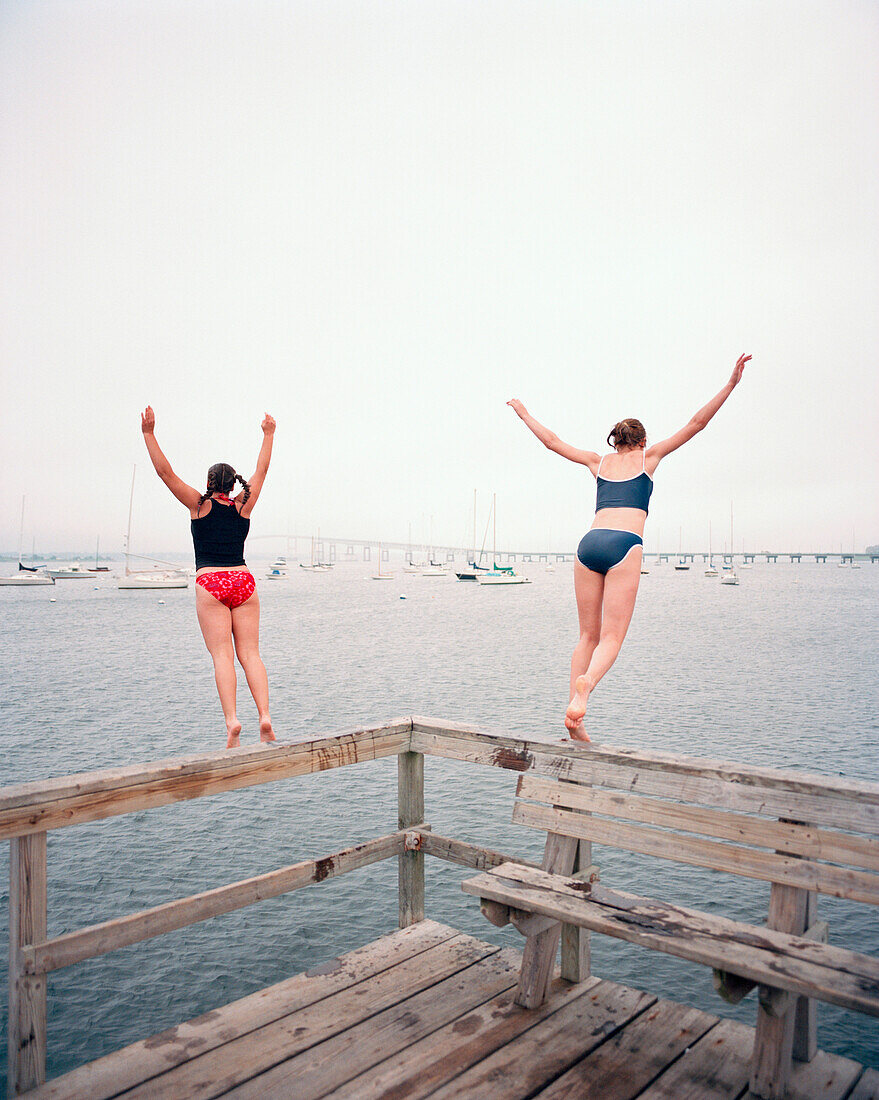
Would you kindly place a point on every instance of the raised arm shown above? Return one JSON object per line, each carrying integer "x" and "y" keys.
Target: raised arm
{"x": 262, "y": 466}
{"x": 697, "y": 422}
{"x": 184, "y": 493}
{"x": 551, "y": 441}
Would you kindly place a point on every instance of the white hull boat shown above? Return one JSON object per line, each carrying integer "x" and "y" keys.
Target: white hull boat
{"x": 26, "y": 579}
{"x": 149, "y": 579}
{"x": 502, "y": 578}
{"x": 74, "y": 572}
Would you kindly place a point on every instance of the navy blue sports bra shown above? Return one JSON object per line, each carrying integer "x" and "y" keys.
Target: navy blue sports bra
{"x": 631, "y": 492}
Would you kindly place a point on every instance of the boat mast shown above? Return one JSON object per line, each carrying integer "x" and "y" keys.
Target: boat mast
{"x": 474, "y": 528}
{"x": 21, "y": 532}
{"x": 128, "y": 534}
{"x": 494, "y": 530}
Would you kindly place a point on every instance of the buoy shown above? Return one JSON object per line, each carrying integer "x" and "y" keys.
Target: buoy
{"x": 161, "y": 601}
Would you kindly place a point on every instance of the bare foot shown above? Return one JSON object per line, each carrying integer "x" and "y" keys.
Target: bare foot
{"x": 266, "y": 733}
{"x": 578, "y": 733}
{"x": 233, "y": 732}
{"x": 577, "y": 709}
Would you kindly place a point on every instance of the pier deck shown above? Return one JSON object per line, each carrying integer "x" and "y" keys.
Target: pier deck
{"x": 428, "y": 1011}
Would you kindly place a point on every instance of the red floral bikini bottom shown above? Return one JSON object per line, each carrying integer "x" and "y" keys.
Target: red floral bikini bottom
{"x": 231, "y": 587}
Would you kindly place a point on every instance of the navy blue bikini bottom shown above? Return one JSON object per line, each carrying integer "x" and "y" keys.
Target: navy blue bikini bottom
{"x": 604, "y": 547}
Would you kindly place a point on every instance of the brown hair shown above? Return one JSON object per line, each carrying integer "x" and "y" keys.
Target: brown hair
{"x": 627, "y": 433}
{"x": 221, "y": 479}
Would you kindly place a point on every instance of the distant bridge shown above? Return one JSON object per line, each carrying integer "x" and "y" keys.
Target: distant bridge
{"x": 333, "y": 549}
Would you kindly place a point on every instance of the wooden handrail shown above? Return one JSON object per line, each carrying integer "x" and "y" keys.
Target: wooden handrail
{"x": 29, "y": 810}
{"x": 99, "y": 939}
{"x": 91, "y": 796}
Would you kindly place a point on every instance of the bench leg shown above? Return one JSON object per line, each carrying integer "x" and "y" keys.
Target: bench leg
{"x": 576, "y": 960}
{"x": 539, "y": 952}
{"x": 773, "y": 1044}
{"x": 806, "y": 1018}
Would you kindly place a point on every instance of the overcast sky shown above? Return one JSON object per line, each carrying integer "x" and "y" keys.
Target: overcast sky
{"x": 381, "y": 220}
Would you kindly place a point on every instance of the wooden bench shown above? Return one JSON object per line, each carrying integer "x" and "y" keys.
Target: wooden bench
{"x": 802, "y": 834}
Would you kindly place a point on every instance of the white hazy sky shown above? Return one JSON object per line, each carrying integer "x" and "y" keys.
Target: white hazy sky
{"x": 380, "y": 220}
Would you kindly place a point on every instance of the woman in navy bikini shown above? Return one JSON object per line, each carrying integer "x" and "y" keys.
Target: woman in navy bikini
{"x": 226, "y": 601}
{"x": 608, "y": 567}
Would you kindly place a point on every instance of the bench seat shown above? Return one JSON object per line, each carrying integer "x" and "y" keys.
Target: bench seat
{"x": 775, "y": 960}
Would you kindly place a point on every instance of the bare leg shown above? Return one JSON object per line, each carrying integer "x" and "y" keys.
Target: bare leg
{"x": 245, "y": 628}
{"x": 620, "y": 590}
{"x": 215, "y": 620}
{"x": 588, "y": 589}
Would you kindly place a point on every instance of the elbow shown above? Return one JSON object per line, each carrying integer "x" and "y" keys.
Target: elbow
{"x": 698, "y": 423}
{"x": 551, "y": 442}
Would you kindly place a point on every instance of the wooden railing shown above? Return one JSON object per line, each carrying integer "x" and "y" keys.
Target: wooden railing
{"x": 29, "y": 811}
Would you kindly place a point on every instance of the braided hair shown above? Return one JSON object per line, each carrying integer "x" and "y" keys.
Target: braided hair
{"x": 221, "y": 479}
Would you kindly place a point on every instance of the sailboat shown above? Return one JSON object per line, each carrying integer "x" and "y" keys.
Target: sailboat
{"x": 680, "y": 564}
{"x": 380, "y": 576}
{"x": 855, "y": 565}
{"x": 710, "y": 571}
{"x": 315, "y": 566}
{"x": 499, "y": 574}
{"x": 25, "y": 577}
{"x": 146, "y": 578}
{"x": 98, "y": 568}
{"x": 728, "y": 576}
{"x": 473, "y": 568}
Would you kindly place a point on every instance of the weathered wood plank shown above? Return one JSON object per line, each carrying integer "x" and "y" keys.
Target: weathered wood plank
{"x": 324, "y": 1067}
{"x": 415, "y": 1072}
{"x": 789, "y": 837}
{"x": 717, "y": 1067}
{"x": 98, "y": 939}
{"x": 867, "y": 1087}
{"x": 827, "y": 1077}
{"x": 623, "y": 1066}
{"x": 410, "y": 806}
{"x": 139, "y": 1062}
{"x": 806, "y": 968}
{"x": 774, "y": 1038}
{"x": 544, "y": 1051}
{"x": 840, "y": 882}
{"x": 92, "y": 796}
{"x": 824, "y": 800}
{"x": 538, "y": 955}
{"x": 37, "y": 791}
{"x": 27, "y": 993}
{"x": 806, "y": 1011}
{"x": 575, "y": 957}
{"x": 237, "y": 1061}
{"x": 810, "y": 947}
{"x": 467, "y": 855}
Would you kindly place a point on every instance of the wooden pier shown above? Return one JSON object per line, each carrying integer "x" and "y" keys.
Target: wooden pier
{"x": 429, "y": 1011}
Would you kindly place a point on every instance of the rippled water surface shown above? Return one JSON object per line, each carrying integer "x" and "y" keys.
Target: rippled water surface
{"x": 781, "y": 671}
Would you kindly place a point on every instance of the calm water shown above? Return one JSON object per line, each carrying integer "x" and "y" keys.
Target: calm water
{"x": 780, "y": 671}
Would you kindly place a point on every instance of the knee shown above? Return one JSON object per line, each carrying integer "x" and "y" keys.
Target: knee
{"x": 611, "y": 636}
{"x": 247, "y": 654}
{"x": 222, "y": 654}
{"x": 590, "y": 637}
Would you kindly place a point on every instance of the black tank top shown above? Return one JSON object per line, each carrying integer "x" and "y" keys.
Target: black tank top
{"x": 218, "y": 536}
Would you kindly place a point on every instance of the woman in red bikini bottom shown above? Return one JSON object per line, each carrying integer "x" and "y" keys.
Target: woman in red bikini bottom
{"x": 226, "y": 600}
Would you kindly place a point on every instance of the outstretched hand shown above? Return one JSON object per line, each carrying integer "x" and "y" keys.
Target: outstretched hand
{"x": 739, "y": 369}
{"x": 517, "y": 406}
{"x": 148, "y": 420}
{"x": 268, "y": 425}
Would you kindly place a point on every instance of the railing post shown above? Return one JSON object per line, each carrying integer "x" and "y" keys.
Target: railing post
{"x": 27, "y": 992}
{"x": 410, "y": 803}
{"x": 576, "y": 958}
